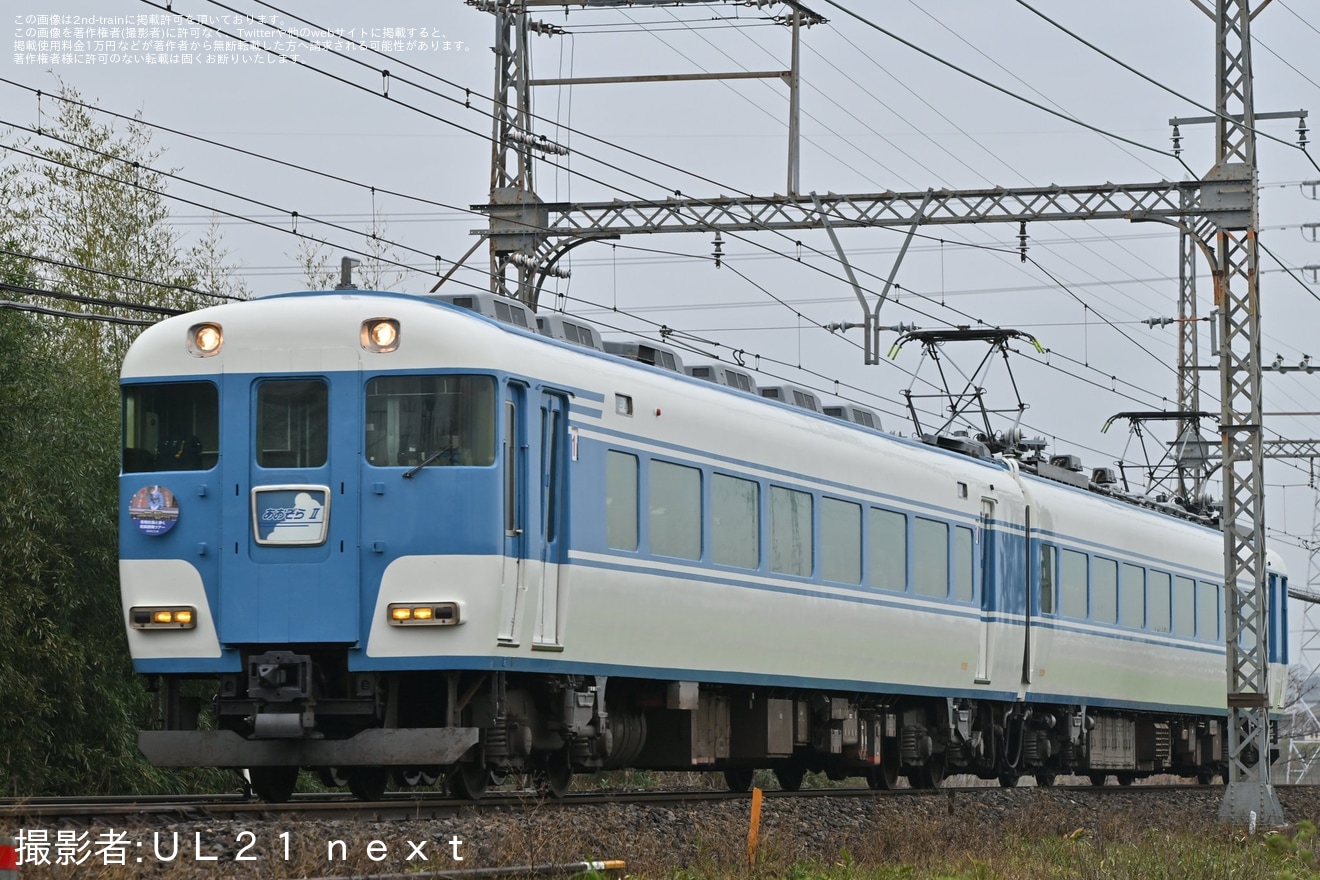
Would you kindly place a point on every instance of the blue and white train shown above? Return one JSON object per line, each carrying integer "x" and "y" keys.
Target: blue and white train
{"x": 365, "y": 533}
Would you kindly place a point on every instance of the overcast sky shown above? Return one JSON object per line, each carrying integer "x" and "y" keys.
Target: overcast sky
{"x": 877, "y": 115}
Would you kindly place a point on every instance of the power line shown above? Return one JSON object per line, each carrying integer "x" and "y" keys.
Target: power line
{"x": 363, "y": 88}
{"x": 294, "y": 215}
{"x": 468, "y": 94}
{"x": 85, "y": 316}
{"x": 89, "y": 300}
{"x": 1002, "y": 90}
{"x": 181, "y": 288}
{"x": 1129, "y": 68}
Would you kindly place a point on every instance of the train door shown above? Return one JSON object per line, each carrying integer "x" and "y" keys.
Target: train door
{"x": 550, "y": 535}
{"x": 289, "y": 558}
{"x": 989, "y": 584}
{"x": 513, "y": 457}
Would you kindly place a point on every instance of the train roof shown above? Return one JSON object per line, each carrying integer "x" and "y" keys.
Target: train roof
{"x": 268, "y": 318}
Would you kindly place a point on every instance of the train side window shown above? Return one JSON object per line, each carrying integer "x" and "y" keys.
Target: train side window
{"x": 1132, "y": 595}
{"x": 963, "y": 557}
{"x": 930, "y": 542}
{"x": 840, "y": 541}
{"x": 887, "y": 532}
{"x": 790, "y": 531}
{"x": 621, "y": 500}
{"x": 674, "y": 509}
{"x": 1047, "y": 569}
{"x": 735, "y": 521}
{"x": 1184, "y": 606}
{"x": 1207, "y": 611}
{"x": 1159, "y": 585}
{"x": 1104, "y": 590}
{"x": 293, "y": 427}
{"x": 1072, "y": 584}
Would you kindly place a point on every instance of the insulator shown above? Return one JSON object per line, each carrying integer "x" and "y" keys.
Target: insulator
{"x": 538, "y": 142}
{"x": 544, "y": 27}
{"x": 527, "y": 262}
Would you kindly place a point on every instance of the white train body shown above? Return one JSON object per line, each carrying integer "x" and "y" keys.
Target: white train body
{"x": 622, "y": 565}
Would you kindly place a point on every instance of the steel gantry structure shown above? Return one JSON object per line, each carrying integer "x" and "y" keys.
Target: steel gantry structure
{"x": 1217, "y": 215}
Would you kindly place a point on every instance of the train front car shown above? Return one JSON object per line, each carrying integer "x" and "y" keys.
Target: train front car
{"x": 303, "y": 475}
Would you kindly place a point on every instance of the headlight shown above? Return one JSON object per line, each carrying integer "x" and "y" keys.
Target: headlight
{"x": 380, "y": 334}
{"x": 424, "y": 614}
{"x": 162, "y": 617}
{"x": 204, "y": 340}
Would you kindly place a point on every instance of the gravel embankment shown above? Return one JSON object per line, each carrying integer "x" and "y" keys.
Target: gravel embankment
{"x": 653, "y": 840}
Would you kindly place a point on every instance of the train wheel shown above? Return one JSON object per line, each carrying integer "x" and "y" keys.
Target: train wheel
{"x": 274, "y": 785}
{"x": 1126, "y": 779}
{"x": 553, "y": 774}
{"x": 368, "y": 783}
{"x": 929, "y": 775}
{"x": 882, "y": 778}
{"x": 1205, "y": 776}
{"x": 739, "y": 779}
{"x": 412, "y": 777}
{"x": 469, "y": 780}
{"x": 1009, "y": 780}
{"x": 1098, "y": 778}
{"x": 1045, "y": 778}
{"x": 332, "y": 777}
{"x": 790, "y": 776}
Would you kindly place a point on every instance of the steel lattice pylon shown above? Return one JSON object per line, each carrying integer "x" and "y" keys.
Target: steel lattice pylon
{"x": 514, "y": 209}
{"x": 1237, "y": 294}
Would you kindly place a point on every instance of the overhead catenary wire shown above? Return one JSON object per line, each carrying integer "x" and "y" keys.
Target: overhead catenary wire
{"x": 872, "y": 96}
{"x": 372, "y": 91}
{"x": 357, "y": 61}
{"x": 419, "y": 252}
{"x": 1046, "y": 362}
{"x": 88, "y": 300}
{"x": 1025, "y": 100}
{"x": 341, "y": 178}
{"x": 180, "y": 288}
{"x": 1304, "y": 21}
{"x": 467, "y": 92}
{"x": 394, "y": 100}
{"x": 62, "y": 313}
{"x": 1150, "y": 79}
{"x": 173, "y": 176}
{"x": 282, "y": 211}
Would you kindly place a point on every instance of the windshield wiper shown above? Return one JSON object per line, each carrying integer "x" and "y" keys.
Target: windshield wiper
{"x": 430, "y": 459}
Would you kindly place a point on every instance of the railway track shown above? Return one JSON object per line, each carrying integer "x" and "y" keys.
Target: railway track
{"x": 434, "y": 805}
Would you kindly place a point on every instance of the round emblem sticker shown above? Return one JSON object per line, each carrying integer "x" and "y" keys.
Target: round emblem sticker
{"x": 154, "y": 510}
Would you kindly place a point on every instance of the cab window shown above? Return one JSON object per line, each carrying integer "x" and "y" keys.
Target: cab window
{"x": 292, "y": 423}
{"x": 439, "y": 420}
{"x": 172, "y": 426}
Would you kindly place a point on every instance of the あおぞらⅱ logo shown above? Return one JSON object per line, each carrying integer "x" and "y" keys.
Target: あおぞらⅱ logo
{"x": 154, "y": 510}
{"x": 290, "y": 514}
